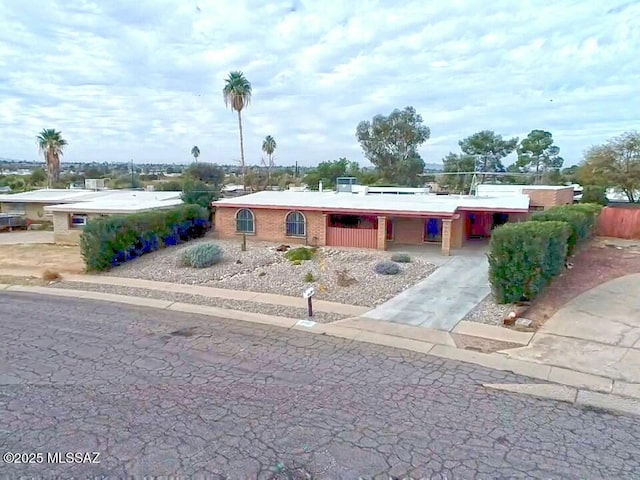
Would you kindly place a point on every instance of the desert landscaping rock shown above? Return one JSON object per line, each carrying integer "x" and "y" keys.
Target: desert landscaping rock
{"x": 489, "y": 312}
{"x": 267, "y": 309}
{"x": 263, "y": 269}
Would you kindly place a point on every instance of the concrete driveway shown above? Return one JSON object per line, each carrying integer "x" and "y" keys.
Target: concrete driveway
{"x": 598, "y": 332}
{"x": 22, "y": 237}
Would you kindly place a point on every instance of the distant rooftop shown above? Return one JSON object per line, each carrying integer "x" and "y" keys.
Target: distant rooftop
{"x": 413, "y": 204}
{"x": 121, "y": 201}
{"x": 51, "y": 195}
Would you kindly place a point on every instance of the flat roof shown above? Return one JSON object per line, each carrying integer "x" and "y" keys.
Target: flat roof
{"x": 119, "y": 201}
{"x": 399, "y": 204}
{"x": 51, "y": 195}
{"x": 513, "y": 187}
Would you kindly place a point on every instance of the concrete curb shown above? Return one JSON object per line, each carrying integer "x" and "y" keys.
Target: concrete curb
{"x": 498, "y": 361}
{"x": 575, "y": 396}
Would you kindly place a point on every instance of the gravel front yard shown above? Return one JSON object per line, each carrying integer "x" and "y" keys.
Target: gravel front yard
{"x": 263, "y": 269}
{"x": 489, "y": 312}
{"x": 267, "y": 309}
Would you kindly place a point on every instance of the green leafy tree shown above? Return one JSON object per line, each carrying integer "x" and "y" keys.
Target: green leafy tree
{"x": 570, "y": 174}
{"x": 237, "y": 96}
{"x": 594, "y": 194}
{"x": 539, "y": 155}
{"x": 615, "y": 164}
{"x": 170, "y": 186}
{"x": 200, "y": 193}
{"x": 487, "y": 149}
{"x": 51, "y": 145}
{"x": 269, "y": 147}
{"x": 206, "y": 172}
{"x": 37, "y": 177}
{"x": 456, "y": 164}
{"x": 391, "y": 144}
{"x": 329, "y": 171}
{"x": 195, "y": 152}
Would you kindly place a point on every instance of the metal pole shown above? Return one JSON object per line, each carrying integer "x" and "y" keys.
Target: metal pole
{"x": 132, "y": 173}
{"x": 310, "y": 305}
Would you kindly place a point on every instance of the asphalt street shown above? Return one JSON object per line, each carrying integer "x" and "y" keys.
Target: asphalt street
{"x": 158, "y": 393}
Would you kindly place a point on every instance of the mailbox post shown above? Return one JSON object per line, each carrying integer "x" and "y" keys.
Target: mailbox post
{"x": 308, "y": 294}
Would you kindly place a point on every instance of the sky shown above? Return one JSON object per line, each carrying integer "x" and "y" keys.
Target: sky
{"x": 143, "y": 79}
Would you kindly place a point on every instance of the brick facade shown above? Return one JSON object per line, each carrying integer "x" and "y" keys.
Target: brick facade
{"x": 549, "y": 198}
{"x": 270, "y": 226}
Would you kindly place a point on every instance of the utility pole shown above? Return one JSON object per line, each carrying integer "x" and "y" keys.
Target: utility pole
{"x": 132, "y": 174}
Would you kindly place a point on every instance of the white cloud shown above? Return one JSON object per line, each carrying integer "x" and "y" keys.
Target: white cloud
{"x": 143, "y": 79}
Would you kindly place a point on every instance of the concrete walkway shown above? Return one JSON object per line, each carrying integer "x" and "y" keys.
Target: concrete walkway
{"x": 597, "y": 333}
{"x": 442, "y": 299}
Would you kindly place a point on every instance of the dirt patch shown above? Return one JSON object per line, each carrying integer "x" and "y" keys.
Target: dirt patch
{"x": 13, "y": 280}
{"x": 596, "y": 263}
{"x": 34, "y": 259}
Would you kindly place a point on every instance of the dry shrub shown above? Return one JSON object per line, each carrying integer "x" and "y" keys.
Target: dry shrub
{"x": 51, "y": 276}
{"x": 343, "y": 279}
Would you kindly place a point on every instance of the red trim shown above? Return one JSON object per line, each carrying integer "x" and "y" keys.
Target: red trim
{"x": 403, "y": 213}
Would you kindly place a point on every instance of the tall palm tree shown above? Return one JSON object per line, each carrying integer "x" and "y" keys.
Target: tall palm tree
{"x": 237, "y": 95}
{"x": 269, "y": 146}
{"x": 195, "y": 151}
{"x": 51, "y": 145}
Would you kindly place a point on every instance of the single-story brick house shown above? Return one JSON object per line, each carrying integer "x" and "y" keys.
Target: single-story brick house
{"x": 379, "y": 217}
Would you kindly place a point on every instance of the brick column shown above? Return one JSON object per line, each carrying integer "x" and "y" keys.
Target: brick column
{"x": 382, "y": 233}
{"x": 457, "y": 231}
{"x": 446, "y": 236}
{"x": 322, "y": 241}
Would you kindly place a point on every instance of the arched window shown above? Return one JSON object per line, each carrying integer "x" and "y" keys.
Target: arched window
{"x": 245, "y": 221}
{"x": 296, "y": 224}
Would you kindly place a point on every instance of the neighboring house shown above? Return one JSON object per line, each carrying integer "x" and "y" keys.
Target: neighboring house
{"x": 5, "y": 189}
{"x": 31, "y": 204}
{"x": 380, "y": 217}
{"x": 70, "y": 218}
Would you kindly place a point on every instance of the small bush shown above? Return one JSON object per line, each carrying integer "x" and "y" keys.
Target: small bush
{"x": 296, "y": 262}
{"x": 582, "y": 218}
{"x": 308, "y": 277}
{"x": 344, "y": 279}
{"x": 50, "y": 276}
{"x": 525, "y": 257}
{"x": 401, "y": 258}
{"x": 387, "y": 268}
{"x": 202, "y": 255}
{"x": 301, "y": 254}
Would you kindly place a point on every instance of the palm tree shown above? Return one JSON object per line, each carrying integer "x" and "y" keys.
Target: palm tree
{"x": 195, "y": 151}
{"x": 51, "y": 145}
{"x": 269, "y": 146}
{"x": 237, "y": 95}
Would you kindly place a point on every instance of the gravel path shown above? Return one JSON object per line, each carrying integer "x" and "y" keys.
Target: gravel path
{"x": 267, "y": 309}
{"x": 263, "y": 269}
{"x": 489, "y": 312}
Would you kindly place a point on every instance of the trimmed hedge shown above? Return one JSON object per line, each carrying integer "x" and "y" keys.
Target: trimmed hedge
{"x": 524, "y": 258}
{"x": 582, "y": 218}
{"x": 110, "y": 241}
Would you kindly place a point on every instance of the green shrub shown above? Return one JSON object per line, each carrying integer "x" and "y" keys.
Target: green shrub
{"x": 582, "y": 218}
{"x": 401, "y": 258}
{"x": 300, "y": 254}
{"x": 386, "y": 268}
{"x": 308, "y": 277}
{"x": 109, "y": 241}
{"x": 594, "y": 194}
{"x": 524, "y": 258}
{"x": 296, "y": 262}
{"x": 202, "y": 255}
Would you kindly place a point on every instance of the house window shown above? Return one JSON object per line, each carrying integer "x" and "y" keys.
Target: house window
{"x": 295, "y": 223}
{"x": 245, "y": 221}
{"x": 78, "y": 220}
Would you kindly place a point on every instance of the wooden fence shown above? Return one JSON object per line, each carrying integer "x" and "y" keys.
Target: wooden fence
{"x": 619, "y": 223}
{"x": 352, "y": 237}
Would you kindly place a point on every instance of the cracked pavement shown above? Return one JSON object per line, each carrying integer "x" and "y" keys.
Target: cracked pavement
{"x": 165, "y": 393}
